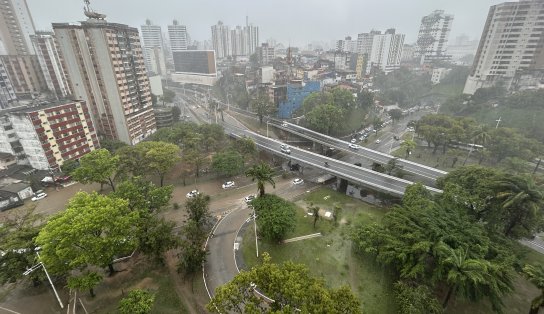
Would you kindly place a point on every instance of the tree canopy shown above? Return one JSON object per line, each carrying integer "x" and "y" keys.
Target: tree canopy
{"x": 137, "y": 302}
{"x": 275, "y": 216}
{"x": 98, "y": 166}
{"x": 291, "y": 287}
{"x": 228, "y": 163}
{"x": 262, "y": 173}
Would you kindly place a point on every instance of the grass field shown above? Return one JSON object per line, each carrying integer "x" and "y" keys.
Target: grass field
{"x": 332, "y": 255}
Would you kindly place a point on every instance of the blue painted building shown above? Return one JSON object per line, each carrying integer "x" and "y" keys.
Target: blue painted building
{"x": 296, "y": 92}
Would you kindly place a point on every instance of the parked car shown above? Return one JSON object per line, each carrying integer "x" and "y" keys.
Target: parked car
{"x": 249, "y": 198}
{"x": 378, "y": 141}
{"x": 298, "y": 181}
{"x": 353, "y": 141}
{"x": 192, "y": 194}
{"x": 353, "y": 146}
{"x": 228, "y": 184}
{"x": 285, "y": 149}
{"x": 38, "y": 196}
{"x": 284, "y": 124}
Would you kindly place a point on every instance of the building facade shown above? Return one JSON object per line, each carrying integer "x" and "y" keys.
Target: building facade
{"x": 221, "y": 40}
{"x": 179, "y": 39}
{"x": 239, "y": 41}
{"x": 51, "y": 63}
{"x": 153, "y": 48}
{"x": 296, "y": 92}
{"x": 432, "y": 39}
{"x": 386, "y": 51}
{"x": 511, "y": 42}
{"x": 25, "y": 74}
{"x": 45, "y": 137}
{"x": 16, "y": 26}
{"x": 105, "y": 64}
{"x": 266, "y": 54}
{"x": 7, "y": 93}
{"x": 252, "y": 33}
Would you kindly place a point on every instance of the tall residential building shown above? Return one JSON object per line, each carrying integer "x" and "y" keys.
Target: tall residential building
{"x": 386, "y": 51}
{"x": 44, "y": 137}
{"x": 265, "y": 54}
{"x": 346, "y": 45}
{"x": 432, "y": 39}
{"x": 25, "y": 74}
{"x": 511, "y": 42}
{"x": 221, "y": 40}
{"x": 252, "y": 33}
{"x": 16, "y": 26}
{"x": 105, "y": 64}
{"x": 153, "y": 48}
{"x": 52, "y": 65}
{"x": 364, "y": 42}
{"x": 179, "y": 39}
{"x": 239, "y": 41}
{"x": 7, "y": 93}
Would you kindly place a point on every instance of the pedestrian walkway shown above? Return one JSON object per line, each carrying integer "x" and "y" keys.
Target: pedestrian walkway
{"x": 309, "y": 236}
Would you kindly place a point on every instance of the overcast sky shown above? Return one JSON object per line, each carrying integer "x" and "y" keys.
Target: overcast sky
{"x": 288, "y": 21}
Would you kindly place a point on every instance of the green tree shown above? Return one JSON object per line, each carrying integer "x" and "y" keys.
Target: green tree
{"x": 192, "y": 252}
{"x": 262, "y": 106}
{"x": 262, "y": 173}
{"x": 98, "y": 166}
{"x": 315, "y": 99}
{"x": 275, "y": 216}
{"x": 176, "y": 113}
{"x": 112, "y": 145}
{"x": 325, "y": 118}
{"x": 343, "y": 98}
{"x": 228, "y": 163}
{"x": 90, "y": 233}
{"x": 159, "y": 157}
{"x": 291, "y": 287}
{"x": 212, "y": 135}
{"x": 137, "y": 302}
{"x": 521, "y": 201}
{"x": 395, "y": 114}
{"x": 408, "y": 146}
{"x": 69, "y": 166}
{"x": 86, "y": 280}
{"x": 535, "y": 274}
{"x": 195, "y": 158}
{"x": 246, "y": 146}
{"x": 365, "y": 99}
{"x": 17, "y": 232}
{"x": 393, "y": 168}
{"x": 413, "y": 298}
{"x": 168, "y": 95}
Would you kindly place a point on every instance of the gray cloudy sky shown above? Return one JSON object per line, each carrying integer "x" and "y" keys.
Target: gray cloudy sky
{"x": 294, "y": 21}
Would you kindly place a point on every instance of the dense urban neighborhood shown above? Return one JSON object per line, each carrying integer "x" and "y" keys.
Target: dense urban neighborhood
{"x": 154, "y": 169}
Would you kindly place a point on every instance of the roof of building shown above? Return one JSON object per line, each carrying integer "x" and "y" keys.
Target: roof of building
{"x": 39, "y": 106}
{"x": 15, "y": 187}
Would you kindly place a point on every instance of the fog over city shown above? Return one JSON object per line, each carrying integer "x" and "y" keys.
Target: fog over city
{"x": 297, "y": 22}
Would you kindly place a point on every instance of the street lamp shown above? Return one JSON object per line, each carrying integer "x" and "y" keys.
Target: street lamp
{"x": 40, "y": 264}
{"x": 255, "y": 227}
{"x": 228, "y": 102}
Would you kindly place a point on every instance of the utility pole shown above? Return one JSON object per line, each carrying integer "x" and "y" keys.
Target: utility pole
{"x": 40, "y": 264}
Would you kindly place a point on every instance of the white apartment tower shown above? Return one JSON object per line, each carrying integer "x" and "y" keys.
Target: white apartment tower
{"x": 7, "y": 93}
{"x": 511, "y": 42}
{"x": 179, "y": 39}
{"x": 432, "y": 39}
{"x": 252, "y": 33}
{"x": 221, "y": 40}
{"x": 239, "y": 41}
{"x": 106, "y": 66}
{"x": 52, "y": 65}
{"x": 386, "y": 51}
{"x": 153, "y": 48}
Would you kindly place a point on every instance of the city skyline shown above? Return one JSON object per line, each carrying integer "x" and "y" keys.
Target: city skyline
{"x": 297, "y": 23}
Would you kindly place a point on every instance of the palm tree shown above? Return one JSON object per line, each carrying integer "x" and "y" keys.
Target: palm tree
{"x": 408, "y": 146}
{"x": 263, "y": 174}
{"x": 535, "y": 274}
{"x": 482, "y": 136}
{"x": 462, "y": 273}
{"x": 521, "y": 200}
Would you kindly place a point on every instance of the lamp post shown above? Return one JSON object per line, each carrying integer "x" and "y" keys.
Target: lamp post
{"x": 40, "y": 264}
{"x": 228, "y": 102}
{"x": 267, "y": 121}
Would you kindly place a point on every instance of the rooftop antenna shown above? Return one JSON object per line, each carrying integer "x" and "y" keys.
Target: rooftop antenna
{"x": 90, "y": 13}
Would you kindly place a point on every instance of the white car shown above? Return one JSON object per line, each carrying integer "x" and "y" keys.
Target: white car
{"x": 298, "y": 181}
{"x": 249, "y": 198}
{"x": 192, "y": 194}
{"x": 284, "y": 124}
{"x": 353, "y": 146}
{"x": 378, "y": 141}
{"x": 285, "y": 149}
{"x": 228, "y": 184}
{"x": 38, "y": 196}
{"x": 410, "y": 129}
{"x": 353, "y": 141}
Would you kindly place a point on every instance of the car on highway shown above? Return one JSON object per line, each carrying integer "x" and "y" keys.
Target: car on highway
{"x": 228, "y": 184}
{"x": 249, "y": 198}
{"x": 353, "y": 146}
{"x": 353, "y": 141}
{"x": 410, "y": 129}
{"x": 284, "y": 124}
{"x": 298, "y": 181}
{"x": 285, "y": 149}
{"x": 378, "y": 141}
{"x": 192, "y": 194}
{"x": 38, "y": 196}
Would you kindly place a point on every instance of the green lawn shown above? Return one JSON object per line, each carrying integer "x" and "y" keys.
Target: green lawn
{"x": 332, "y": 256}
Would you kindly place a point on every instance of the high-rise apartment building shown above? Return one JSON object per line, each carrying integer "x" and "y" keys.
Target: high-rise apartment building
{"x": 16, "y": 26}
{"x": 16, "y": 50}
{"x": 364, "y": 42}
{"x": 44, "y": 137}
{"x": 239, "y": 41}
{"x": 386, "y": 51}
{"x": 252, "y": 33}
{"x": 51, "y": 63}
{"x": 7, "y": 93}
{"x": 346, "y": 45}
{"x": 105, "y": 64}
{"x": 511, "y": 42}
{"x": 153, "y": 48}
{"x": 265, "y": 54}
{"x": 432, "y": 39}
{"x": 179, "y": 39}
{"x": 221, "y": 40}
